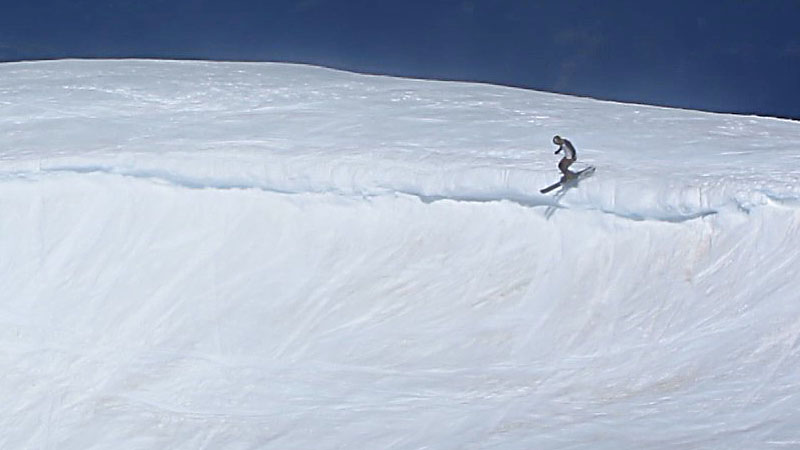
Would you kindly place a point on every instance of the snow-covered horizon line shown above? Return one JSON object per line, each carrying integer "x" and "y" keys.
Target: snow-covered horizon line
{"x": 405, "y": 77}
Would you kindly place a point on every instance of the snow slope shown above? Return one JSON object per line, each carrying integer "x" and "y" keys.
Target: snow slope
{"x": 227, "y": 256}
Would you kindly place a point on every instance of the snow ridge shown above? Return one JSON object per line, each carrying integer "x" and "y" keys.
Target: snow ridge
{"x": 464, "y": 185}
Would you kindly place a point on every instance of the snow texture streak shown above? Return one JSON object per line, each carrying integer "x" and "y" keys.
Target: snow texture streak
{"x": 226, "y": 255}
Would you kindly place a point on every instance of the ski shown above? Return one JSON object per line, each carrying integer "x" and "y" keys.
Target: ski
{"x": 550, "y": 188}
{"x": 579, "y": 175}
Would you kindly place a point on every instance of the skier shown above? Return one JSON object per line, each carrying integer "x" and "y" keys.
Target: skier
{"x": 569, "y": 156}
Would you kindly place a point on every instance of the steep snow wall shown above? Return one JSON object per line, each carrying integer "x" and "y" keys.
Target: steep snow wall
{"x": 303, "y": 298}
{"x": 141, "y": 312}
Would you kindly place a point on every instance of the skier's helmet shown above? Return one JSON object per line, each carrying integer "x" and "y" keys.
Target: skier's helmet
{"x": 557, "y": 140}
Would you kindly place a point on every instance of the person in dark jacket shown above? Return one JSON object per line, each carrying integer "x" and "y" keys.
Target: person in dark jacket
{"x": 570, "y": 155}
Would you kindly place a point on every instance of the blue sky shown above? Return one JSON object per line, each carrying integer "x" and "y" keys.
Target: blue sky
{"x": 720, "y": 55}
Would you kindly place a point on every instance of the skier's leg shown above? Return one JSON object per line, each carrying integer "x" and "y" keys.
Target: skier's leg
{"x": 563, "y": 166}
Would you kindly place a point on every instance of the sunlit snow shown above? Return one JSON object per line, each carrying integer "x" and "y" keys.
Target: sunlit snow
{"x": 237, "y": 256}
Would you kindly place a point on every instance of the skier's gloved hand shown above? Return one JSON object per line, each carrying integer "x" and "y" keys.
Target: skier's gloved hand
{"x": 557, "y": 151}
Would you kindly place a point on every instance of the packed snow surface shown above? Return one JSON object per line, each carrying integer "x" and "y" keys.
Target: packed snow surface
{"x": 238, "y": 256}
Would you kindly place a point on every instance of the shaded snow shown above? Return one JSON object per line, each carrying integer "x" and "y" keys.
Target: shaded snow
{"x": 226, "y": 255}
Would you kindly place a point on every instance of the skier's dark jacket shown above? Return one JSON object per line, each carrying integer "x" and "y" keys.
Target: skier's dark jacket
{"x": 569, "y": 150}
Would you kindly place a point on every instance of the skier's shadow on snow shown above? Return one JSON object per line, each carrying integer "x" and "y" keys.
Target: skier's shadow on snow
{"x": 548, "y": 213}
{"x": 565, "y": 187}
